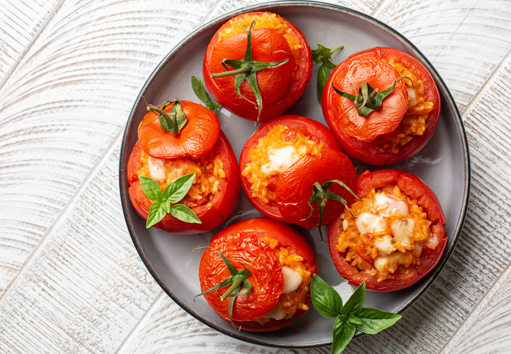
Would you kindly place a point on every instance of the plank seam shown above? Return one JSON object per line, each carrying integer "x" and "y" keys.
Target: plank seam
{"x": 208, "y": 16}
{"x": 478, "y": 306}
{"x": 378, "y": 8}
{"x": 143, "y": 320}
{"x": 485, "y": 86}
{"x": 30, "y": 44}
{"x": 64, "y": 212}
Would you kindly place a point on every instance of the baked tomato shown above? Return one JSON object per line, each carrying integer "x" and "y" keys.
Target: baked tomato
{"x": 283, "y": 159}
{"x": 196, "y": 138}
{"x": 275, "y": 41}
{"x": 403, "y": 124}
{"x": 212, "y": 196}
{"x": 395, "y": 236}
{"x": 280, "y": 265}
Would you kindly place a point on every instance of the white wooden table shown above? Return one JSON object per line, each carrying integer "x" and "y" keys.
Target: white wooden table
{"x": 70, "y": 278}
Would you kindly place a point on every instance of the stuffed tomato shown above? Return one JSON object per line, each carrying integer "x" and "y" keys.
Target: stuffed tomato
{"x": 215, "y": 187}
{"x": 382, "y": 127}
{"x": 282, "y": 71}
{"x": 282, "y": 161}
{"x": 276, "y": 264}
{"x": 394, "y": 235}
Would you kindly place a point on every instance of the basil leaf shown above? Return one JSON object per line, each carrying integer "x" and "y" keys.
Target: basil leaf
{"x": 150, "y": 187}
{"x": 342, "y": 334}
{"x": 165, "y": 206}
{"x": 373, "y": 321}
{"x": 356, "y": 300}
{"x": 156, "y": 213}
{"x": 324, "y": 298}
{"x": 353, "y": 319}
{"x": 323, "y": 74}
{"x": 183, "y": 213}
{"x": 178, "y": 189}
{"x": 202, "y": 94}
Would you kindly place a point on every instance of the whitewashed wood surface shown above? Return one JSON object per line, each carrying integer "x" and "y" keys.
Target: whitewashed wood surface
{"x": 70, "y": 278}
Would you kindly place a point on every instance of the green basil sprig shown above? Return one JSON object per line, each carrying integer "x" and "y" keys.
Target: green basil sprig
{"x": 323, "y": 56}
{"x": 173, "y": 194}
{"x": 246, "y": 69}
{"x": 203, "y": 95}
{"x": 321, "y": 195}
{"x": 351, "y": 316}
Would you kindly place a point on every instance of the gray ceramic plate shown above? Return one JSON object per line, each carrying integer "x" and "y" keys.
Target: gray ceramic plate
{"x": 443, "y": 164}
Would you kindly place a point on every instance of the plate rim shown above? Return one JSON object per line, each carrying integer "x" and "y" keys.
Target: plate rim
{"x": 273, "y": 6}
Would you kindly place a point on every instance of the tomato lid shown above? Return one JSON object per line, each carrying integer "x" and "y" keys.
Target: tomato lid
{"x": 379, "y": 74}
{"x": 197, "y": 137}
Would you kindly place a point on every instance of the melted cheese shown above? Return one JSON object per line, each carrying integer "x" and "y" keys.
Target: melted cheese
{"x": 276, "y": 313}
{"x": 384, "y": 245}
{"x": 389, "y": 264}
{"x": 280, "y": 159}
{"x": 368, "y": 223}
{"x": 388, "y": 206}
{"x": 403, "y": 230}
{"x": 292, "y": 280}
{"x": 157, "y": 168}
{"x": 412, "y": 98}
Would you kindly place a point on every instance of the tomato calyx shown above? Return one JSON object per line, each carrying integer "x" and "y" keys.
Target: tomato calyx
{"x": 323, "y": 56}
{"x": 246, "y": 69}
{"x": 321, "y": 195}
{"x": 172, "y": 122}
{"x": 236, "y": 282}
{"x": 367, "y": 99}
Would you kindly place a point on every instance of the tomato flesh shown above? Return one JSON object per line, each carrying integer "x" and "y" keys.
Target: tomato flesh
{"x": 244, "y": 242}
{"x": 281, "y": 87}
{"x": 211, "y": 214}
{"x": 415, "y": 188}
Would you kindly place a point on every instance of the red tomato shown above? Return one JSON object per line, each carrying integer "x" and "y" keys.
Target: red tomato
{"x": 280, "y": 87}
{"x": 414, "y": 187}
{"x": 223, "y": 202}
{"x": 244, "y": 243}
{"x": 363, "y": 138}
{"x": 197, "y": 138}
{"x": 307, "y": 170}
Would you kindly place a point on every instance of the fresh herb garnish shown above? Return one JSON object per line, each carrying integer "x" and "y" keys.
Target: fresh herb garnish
{"x": 173, "y": 194}
{"x": 203, "y": 95}
{"x": 367, "y": 99}
{"x": 321, "y": 195}
{"x": 246, "y": 69}
{"x": 323, "y": 56}
{"x": 236, "y": 282}
{"x": 172, "y": 122}
{"x": 351, "y": 316}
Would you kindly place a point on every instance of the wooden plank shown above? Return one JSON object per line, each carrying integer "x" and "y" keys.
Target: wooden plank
{"x": 66, "y": 103}
{"x": 20, "y": 22}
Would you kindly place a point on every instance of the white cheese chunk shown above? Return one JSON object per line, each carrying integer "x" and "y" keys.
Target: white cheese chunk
{"x": 389, "y": 264}
{"x": 292, "y": 280}
{"x": 384, "y": 244}
{"x": 388, "y": 206}
{"x": 412, "y": 98}
{"x": 157, "y": 168}
{"x": 280, "y": 159}
{"x": 403, "y": 230}
{"x": 276, "y": 313}
{"x": 368, "y": 223}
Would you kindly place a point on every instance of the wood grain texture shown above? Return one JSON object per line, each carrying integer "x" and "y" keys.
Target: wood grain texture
{"x": 68, "y": 100}
{"x": 465, "y": 40}
{"x": 20, "y": 22}
{"x": 87, "y": 287}
{"x": 488, "y": 328}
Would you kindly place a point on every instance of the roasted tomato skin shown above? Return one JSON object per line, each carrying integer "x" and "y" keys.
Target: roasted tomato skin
{"x": 197, "y": 138}
{"x": 297, "y": 83}
{"x": 414, "y": 187}
{"x": 223, "y": 202}
{"x": 306, "y": 126}
{"x": 250, "y": 307}
{"x": 371, "y": 152}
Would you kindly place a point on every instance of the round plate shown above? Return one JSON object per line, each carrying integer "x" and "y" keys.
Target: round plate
{"x": 443, "y": 164}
